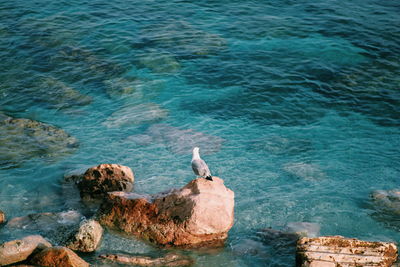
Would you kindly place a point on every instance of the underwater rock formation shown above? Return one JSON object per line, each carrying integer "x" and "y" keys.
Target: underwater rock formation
{"x": 179, "y": 141}
{"x": 99, "y": 180}
{"x": 200, "y": 213}
{"x": 136, "y": 114}
{"x": 19, "y": 250}
{"x": 58, "y": 257}
{"x": 22, "y": 139}
{"x": 332, "y": 251}
{"x": 169, "y": 260}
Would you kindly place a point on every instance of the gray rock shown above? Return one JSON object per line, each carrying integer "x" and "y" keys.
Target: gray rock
{"x": 19, "y": 250}
{"x": 169, "y": 260}
{"x": 306, "y": 171}
{"x": 87, "y": 238}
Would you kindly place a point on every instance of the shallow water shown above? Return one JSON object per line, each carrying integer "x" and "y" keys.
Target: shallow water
{"x": 302, "y": 100}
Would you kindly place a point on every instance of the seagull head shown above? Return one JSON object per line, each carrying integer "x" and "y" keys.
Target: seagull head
{"x": 196, "y": 154}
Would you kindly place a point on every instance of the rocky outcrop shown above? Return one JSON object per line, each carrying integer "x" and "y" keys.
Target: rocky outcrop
{"x": 2, "y": 217}
{"x": 19, "y": 250}
{"x": 87, "y": 238}
{"x": 387, "y": 200}
{"x": 58, "y": 257}
{"x": 169, "y": 260}
{"x": 22, "y": 139}
{"x": 334, "y": 251}
{"x": 99, "y": 180}
{"x": 199, "y": 213}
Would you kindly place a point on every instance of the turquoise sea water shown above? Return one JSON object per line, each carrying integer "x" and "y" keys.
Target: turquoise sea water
{"x": 296, "y": 106}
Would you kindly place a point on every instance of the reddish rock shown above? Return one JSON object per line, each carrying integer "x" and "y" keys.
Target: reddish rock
{"x": 58, "y": 257}
{"x": 99, "y": 180}
{"x": 2, "y": 217}
{"x": 19, "y": 250}
{"x": 170, "y": 260}
{"x": 334, "y": 251}
{"x": 200, "y": 213}
{"x": 87, "y": 238}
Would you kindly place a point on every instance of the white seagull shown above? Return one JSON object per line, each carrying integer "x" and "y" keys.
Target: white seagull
{"x": 199, "y": 167}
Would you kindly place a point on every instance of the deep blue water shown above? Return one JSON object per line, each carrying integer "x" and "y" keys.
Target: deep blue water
{"x": 298, "y": 103}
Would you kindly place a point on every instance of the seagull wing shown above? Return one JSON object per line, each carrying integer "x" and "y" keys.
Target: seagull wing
{"x": 200, "y": 168}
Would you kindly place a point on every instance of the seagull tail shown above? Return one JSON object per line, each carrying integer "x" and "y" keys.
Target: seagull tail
{"x": 209, "y": 178}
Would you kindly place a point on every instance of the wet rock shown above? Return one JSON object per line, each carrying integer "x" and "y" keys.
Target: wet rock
{"x": 99, "y": 180}
{"x": 137, "y": 88}
{"x": 22, "y": 139}
{"x": 179, "y": 141}
{"x": 19, "y": 250}
{"x": 200, "y": 213}
{"x": 307, "y": 171}
{"x": 57, "y": 227}
{"x": 303, "y": 229}
{"x": 171, "y": 259}
{"x": 2, "y": 217}
{"x": 57, "y": 94}
{"x": 133, "y": 115}
{"x": 87, "y": 238}
{"x": 58, "y": 257}
{"x": 160, "y": 62}
{"x": 339, "y": 251}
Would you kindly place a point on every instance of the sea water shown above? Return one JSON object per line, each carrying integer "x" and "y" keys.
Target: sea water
{"x": 296, "y": 105}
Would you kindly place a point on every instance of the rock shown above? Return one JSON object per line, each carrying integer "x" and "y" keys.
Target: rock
{"x": 179, "y": 141}
{"x": 57, "y": 227}
{"x": 303, "y": 229}
{"x": 199, "y": 213}
{"x": 87, "y": 238}
{"x": 305, "y": 171}
{"x": 2, "y": 217}
{"x": 58, "y": 257}
{"x": 171, "y": 259}
{"x": 57, "y": 94}
{"x": 19, "y": 250}
{"x": 133, "y": 115}
{"x": 160, "y": 62}
{"x": 22, "y": 139}
{"x": 339, "y": 251}
{"x": 388, "y": 201}
{"x": 99, "y": 180}
{"x": 137, "y": 88}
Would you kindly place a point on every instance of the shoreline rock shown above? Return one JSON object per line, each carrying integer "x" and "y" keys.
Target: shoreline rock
{"x": 199, "y": 214}
{"x": 87, "y": 238}
{"x": 332, "y": 251}
{"x": 169, "y": 260}
{"x": 58, "y": 257}
{"x": 99, "y": 180}
{"x": 19, "y": 250}
{"x": 3, "y": 218}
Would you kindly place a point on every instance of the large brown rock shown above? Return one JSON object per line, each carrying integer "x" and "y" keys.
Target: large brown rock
{"x": 19, "y": 250}
{"x": 169, "y": 260}
{"x": 99, "y": 180}
{"x": 199, "y": 213}
{"x": 87, "y": 238}
{"x": 2, "y": 217}
{"x": 58, "y": 257}
{"x": 335, "y": 251}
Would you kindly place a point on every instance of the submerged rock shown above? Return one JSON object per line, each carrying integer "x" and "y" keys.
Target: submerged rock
{"x": 307, "y": 171}
{"x": 57, "y": 94}
{"x": 19, "y": 250}
{"x": 160, "y": 62}
{"x": 2, "y": 217}
{"x": 303, "y": 229}
{"x": 22, "y": 139}
{"x": 339, "y": 251}
{"x": 200, "y": 213}
{"x": 133, "y": 115}
{"x": 138, "y": 88}
{"x": 169, "y": 260}
{"x": 87, "y": 238}
{"x": 98, "y": 181}
{"x": 388, "y": 201}
{"x": 179, "y": 141}
{"x": 58, "y": 257}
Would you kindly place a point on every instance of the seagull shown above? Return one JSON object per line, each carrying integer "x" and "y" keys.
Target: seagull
{"x": 199, "y": 167}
